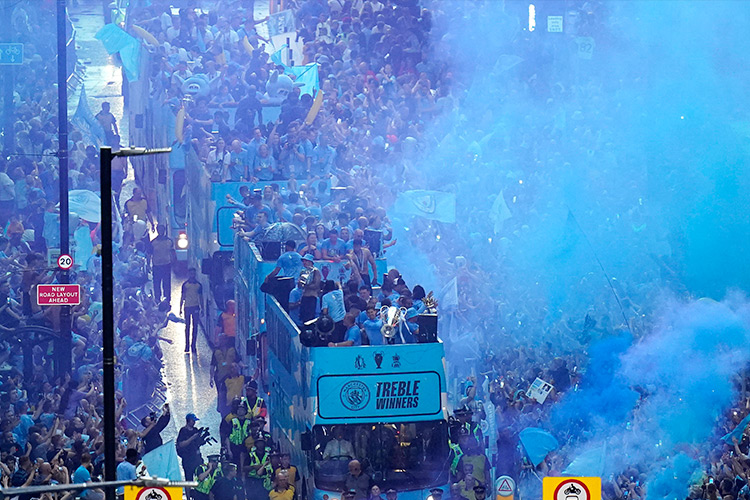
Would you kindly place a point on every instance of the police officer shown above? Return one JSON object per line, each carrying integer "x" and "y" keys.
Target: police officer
{"x": 240, "y": 430}
{"x": 206, "y": 475}
{"x": 162, "y": 256}
{"x": 256, "y": 406}
{"x": 260, "y": 471}
{"x": 464, "y": 416}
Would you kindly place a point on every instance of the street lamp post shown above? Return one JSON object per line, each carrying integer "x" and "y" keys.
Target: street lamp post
{"x": 108, "y": 325}
{"x": 63, "y": 347}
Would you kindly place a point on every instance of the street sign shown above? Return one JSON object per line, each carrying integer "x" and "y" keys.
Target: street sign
{"x": 566, "y": 488}
{"x": 152, "y": 493}
{"x": 65, "y": 262}
{"x": 504, "y": 487}
{"x": 58, "y": 295}
{"x": 555, "y": 24}
{"x": 11, "y": 53}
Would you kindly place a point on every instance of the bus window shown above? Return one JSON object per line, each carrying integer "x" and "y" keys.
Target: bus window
{"x": 406, "y": 455}
{"x": 178, "y": 194}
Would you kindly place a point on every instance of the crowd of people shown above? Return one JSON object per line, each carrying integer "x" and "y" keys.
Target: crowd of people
{"x": 52, "y": 420}
{"x": 327, "y": 175}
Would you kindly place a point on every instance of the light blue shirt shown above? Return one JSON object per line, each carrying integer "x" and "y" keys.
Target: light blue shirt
{"x": 354, "y": 334}
{"x": 334, "y": 302}
{"x": 290, "y": 264}
{"x": 372, "y": 329}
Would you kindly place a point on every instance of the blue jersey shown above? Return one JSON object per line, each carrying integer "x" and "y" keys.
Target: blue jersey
{"x": 354, "y": 334}
{"x": 290, "y": 264}
{"x": 372, "y": 329}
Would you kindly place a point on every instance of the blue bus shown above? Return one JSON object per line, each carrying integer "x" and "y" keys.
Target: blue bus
{"x": 385, "y": 406}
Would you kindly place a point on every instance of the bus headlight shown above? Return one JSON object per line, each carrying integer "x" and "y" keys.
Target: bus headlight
{"x": 182, "y": 241}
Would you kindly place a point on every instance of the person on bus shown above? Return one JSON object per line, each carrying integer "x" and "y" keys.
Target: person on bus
{"x": 190, "y": 308}
{"x": 353, "y": 336}
{"x": 309, "y": 300}
{"x": 332, "y": 304}
{"x": 311, "y": 246}
{"x": 256, "y": 406}
{"x": 375, "y": 493}
{"x": 362, "y": 258}
{"x": 373, "y": 325}
{"x": 338, "y": 448}
{"x": 289, "y": 263}
{"x": 161, "y": 250}
{"x": 358, "y": 481}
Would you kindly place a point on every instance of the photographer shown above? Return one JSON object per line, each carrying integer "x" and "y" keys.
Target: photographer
{"x": 189, "y": 442}
{"x": 151, "y": 436}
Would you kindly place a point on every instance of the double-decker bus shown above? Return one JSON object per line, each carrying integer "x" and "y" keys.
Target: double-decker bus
{"x": 387, "y": 402}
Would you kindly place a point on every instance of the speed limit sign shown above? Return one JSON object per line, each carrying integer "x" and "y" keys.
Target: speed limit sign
{"x": 65, "y": 262}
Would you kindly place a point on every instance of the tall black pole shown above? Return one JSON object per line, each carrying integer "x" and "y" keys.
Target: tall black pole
{"x": 108, "y": 321}
{"x": 8, "y": 83}
{"x": 65, "y": 343}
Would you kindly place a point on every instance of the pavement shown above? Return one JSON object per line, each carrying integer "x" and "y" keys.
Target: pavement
{"x": 186, "y": 375}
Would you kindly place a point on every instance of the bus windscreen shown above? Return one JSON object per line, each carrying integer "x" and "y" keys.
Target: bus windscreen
{"x": 402, "y": 455}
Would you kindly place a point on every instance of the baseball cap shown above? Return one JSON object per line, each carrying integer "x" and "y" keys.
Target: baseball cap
{"x": 309, "y": 257}
{"x": 191, "y": 416}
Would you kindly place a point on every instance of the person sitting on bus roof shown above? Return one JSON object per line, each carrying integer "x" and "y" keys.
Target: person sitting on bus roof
{"x": 358, "y": 481}
{"x": 353, "y": 335}
{"x": 338, "y": 448}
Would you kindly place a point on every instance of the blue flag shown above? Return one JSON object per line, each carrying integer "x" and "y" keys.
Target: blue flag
{"x": 537, "y": 443}
{"x": 115, "y": 39}
{"x": 737, "y": 432}
{"x": 307, "y": 75}
{"x": 162, "y": 462}
{"x": 433, "y": 205}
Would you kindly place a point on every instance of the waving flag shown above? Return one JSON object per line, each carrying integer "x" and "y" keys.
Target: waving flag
{"x": 433, "y": 205}
{"x": 162, "y": 462}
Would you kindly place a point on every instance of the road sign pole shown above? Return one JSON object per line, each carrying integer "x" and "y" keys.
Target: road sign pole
{"x": 108, "y": 323}
{"x": 65, "y": 344}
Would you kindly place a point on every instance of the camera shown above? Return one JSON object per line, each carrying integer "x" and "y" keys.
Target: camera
{"x": 206, "y": 437}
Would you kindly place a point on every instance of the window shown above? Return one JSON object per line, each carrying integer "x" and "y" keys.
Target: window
{"x": 178, "y": 194}
{"x": 403, "y": 456}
